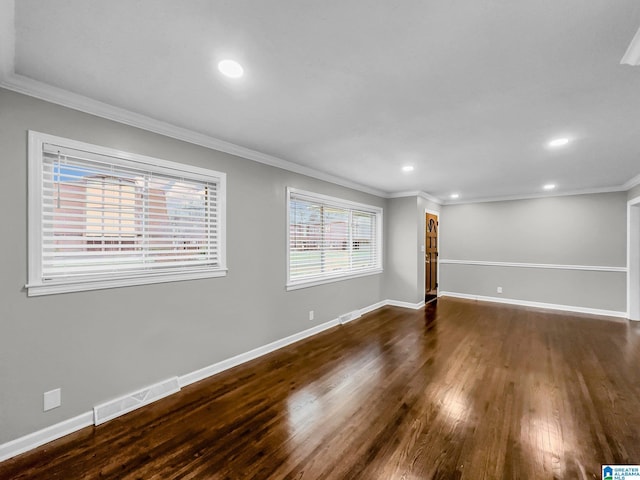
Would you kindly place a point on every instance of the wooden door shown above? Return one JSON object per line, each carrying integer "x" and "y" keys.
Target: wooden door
{"x": 431, "y": 256}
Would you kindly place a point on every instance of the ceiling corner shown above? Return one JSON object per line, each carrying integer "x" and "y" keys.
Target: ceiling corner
{"x": 7, "y": 38}
{"x": 633, "y": 182}
{"x": 417, "y": 193}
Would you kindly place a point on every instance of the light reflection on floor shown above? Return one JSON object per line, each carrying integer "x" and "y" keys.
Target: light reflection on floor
{"x": 541, "y": 432}
{"x": 456, "y": 406}
{"x": 545, "y": 442}
{"x": 335, "y": 393}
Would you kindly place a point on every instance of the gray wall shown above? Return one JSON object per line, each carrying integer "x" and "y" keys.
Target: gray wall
{"x": 634, "y": 192}
{"x": 401, "y": 247}
{"x": 404, "y": 274}
{"x": 102, "y": 344}
{"x": 571, "y": 230}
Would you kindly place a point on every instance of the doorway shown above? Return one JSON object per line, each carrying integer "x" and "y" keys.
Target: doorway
{"x": 431, "y": 257}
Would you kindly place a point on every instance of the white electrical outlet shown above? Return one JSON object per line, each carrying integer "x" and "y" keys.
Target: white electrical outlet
{"x": 52, "y": 399}
{"x": 311, "y": 314}
{"x": 499, "y": 289}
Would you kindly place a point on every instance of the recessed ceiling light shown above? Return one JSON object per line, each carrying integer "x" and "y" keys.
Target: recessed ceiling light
{"x": 231, "y": 68}
{"x": 558, "y": 142}
{"x": 455, "y": 195}
{"x": 549, "y": 186}
{"x": 407, "y": 168}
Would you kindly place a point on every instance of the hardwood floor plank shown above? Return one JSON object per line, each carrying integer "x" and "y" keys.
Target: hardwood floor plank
{"x": 457, "y": 390}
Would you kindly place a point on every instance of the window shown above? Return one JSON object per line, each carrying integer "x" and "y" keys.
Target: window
{"x": 331, "y": 239}
{"x": 102, "y": 218}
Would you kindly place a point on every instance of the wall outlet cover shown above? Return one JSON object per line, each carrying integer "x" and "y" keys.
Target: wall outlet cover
{"x": 52, "y": 399}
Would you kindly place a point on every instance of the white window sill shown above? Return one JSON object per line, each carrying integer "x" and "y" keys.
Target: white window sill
{"x": 297, "y": 285}
{"x": 52, "y": 288}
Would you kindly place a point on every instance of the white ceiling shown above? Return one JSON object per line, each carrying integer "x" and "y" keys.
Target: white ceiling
{"x": 467, "y": 91}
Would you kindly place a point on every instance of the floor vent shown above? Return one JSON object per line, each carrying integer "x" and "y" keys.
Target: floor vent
{"x": 114, "y": 408}
{"x": 348, "y": 317}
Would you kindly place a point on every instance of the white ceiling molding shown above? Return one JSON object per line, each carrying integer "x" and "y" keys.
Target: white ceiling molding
{"x": 416, "y": 193}
{"x": 632, "y": 183}
{"x": 33, "y": 88}
{"x": 586, "y": 191}
{"x": 632, "y": 55}
{"x": 44, "y": 55}
{"x": 43, "y": 91}
{"x": 7, "y": 38}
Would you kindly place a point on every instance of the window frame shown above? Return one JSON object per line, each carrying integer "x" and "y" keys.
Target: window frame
{"x": 339, "y": 203}
{"x": 36, "y": 286}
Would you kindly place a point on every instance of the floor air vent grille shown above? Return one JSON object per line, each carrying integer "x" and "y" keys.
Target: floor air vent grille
{"x": 119, "y": 406}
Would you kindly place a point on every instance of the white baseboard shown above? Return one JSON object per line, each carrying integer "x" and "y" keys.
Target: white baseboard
{"x": 373, "y": 307}
{"x": 228, "y": 363}
{"x": 398, "y": 303}
{"x": 53, "y": 432}
{"x": 527, "y": 303}
{"x": 46, "y": 435}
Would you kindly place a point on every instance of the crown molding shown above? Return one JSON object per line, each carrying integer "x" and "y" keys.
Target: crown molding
{"x": 586, "y": 191}
{"x": 635, "y": 181}
{"x": 43, "y": 91}
{"x": 416, "y": 193}
{"x": 632, "y": 55}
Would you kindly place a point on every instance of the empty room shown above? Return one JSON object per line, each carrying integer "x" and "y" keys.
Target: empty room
{"x": 320, "y": 239}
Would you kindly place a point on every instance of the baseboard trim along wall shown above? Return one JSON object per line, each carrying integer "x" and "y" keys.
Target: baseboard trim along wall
{"x": 527, "y": 303}
{"x": 236, "y": 360}
{"x": 552, "y": 266}
{"x": 396, "y": 303}
{"x": 46, "y": 435}
{"x": 124, "y": 404}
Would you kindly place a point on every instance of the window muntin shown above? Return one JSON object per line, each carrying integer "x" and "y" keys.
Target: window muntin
{"x": 101, "y": 218}
{"x": 331, "y": 239}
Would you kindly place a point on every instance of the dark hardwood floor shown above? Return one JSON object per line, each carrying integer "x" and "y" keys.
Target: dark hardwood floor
{"x": 456, "y": 390}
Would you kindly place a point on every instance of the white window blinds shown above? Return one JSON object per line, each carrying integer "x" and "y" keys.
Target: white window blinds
{"x": 331, "y": 239}
{"x": 108, "y": 217}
